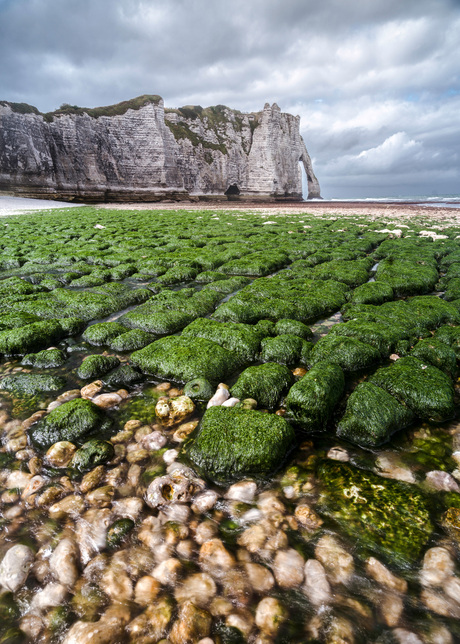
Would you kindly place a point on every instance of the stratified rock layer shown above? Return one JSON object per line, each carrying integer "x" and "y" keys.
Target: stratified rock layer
{"x": 138, "y": 150}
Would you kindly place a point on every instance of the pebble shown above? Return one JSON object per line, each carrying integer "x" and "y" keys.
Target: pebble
{"x": 204, "y": 501}
{"x": 441, "y": 481}
{"x": 199, "y": 589}
{"x": 34, "y": 484}
{"x": 15, "y": 567}
{"x": 221, "y": 395}
{"x": 170, "y": 456}
{"x": 109, "y": 629}
{"x": 242, "y": 620}
{"x": 215, "y": 558}
{"x": 167, "y": 572}
{"x": 130, "y": 507}
{"x": 243, "y": 491}
{"x": 174, "y": 410}
{"x": 260, "y": 577}
{"x": 390, "y": 466}
{"x": 91, "y": 532}
{"x": 335, "y": 559}
{"x": 270, "y": 615}
{"x": 116, "y": 584}
{"x": 92, "y": 479}
{"x": 230, "y": 402}
{"x": 307, "y": 517}
{"x": 391, "y": 608}
{"x": 288, "y": 568}
{"x": 338, "y": 454}
{"x": 316, "y": 586}
{"x": 406, "y": 637}
{"x": 53, "y": 594}
{"x": 59, "y": 454}
{"x": 18, "y": 479}
{"x": 91, "y": 390}
{"x": 153, "y": 441}
{"x": 72, "y": 504}
{"x": 192, "y": 624}
{"x": 438, "y": 566}
{"x": 26, "y": 424}
{"x": 106, "y": 401}
{"x": 384, "y": 577}
{"x": 146, "y": 590}
{"x": 63, "y": 562}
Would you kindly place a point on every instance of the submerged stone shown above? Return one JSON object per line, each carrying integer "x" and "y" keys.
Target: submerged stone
{"x": 232, "y": 443}
{"x": 265, "y": 383}
{"x": 71, "y": 421}
{"x": 199, "y": 390}
{"x": 372, "y": 416}
{"x": 47, "y": 359}
{"x": 96, "y": 366}
{"x": 91, "y": 454}
{"x": 381, "y": 516}
{"x": 31, "y": 383}
{"x": 311, "y": 401}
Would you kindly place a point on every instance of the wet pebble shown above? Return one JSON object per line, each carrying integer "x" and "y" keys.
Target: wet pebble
{"x": 260, "y": 577}
{"x": 438, "y": 566}
{"x": 338, "y": 454}
{"x": 92, "y": 389}
{"x": 63, "y": 562}
{"x": 270, "y": 615}
{"x": 441, "y": 481}
{"x": 199, "y": 589}
{"x": 204, "y": 501}
{"x": 335, "y": 559}
{"x": 59, "y": 454}
{"x": 53, "y": 594}
{"x": 243, "y": 491}
{"x": 288, "y": 568}
{"x": 316, "y": 586}
{"x": 221, "y": 395}
{"x": 70, "y": 505}
{"x": 15, "y": 567}
{"x": 385, "y": 577}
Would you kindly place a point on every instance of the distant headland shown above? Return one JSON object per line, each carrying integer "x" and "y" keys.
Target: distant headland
{"x": 138, "y": 150}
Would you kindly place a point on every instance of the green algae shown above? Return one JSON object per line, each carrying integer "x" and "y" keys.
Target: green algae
{"x": 96, "y": 366}
{"x": 293, "y": 327}
{"x": 47, "y": 359}
{"x": 91, "y": 454}
{"x": 131, "y": 340}
{"x": 383, "y": 517}
{"x": 372, "y": 293}
{"x": 103, "y": 333}
{"x": 32, "y": 383}
{"x": 347, "y": 352}
{"x": 285, "y": 349}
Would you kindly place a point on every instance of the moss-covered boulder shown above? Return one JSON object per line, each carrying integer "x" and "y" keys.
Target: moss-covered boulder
{"x": 241, "y": 339}
{"x": 265, "y": 383}
{"x": 371, "y": 293}
{"x": 72, "y": 421}
{"x": 372, "y": 416}
{"x": 47, "y": 359}
{"x": 407, "y": 276}
{"x": 384, "y": 337}
{"x": 156, "y": 319}
{"x": 285, "y": 349}
{"x": 293, "y": 327}
{"x": 437, "y": 354}
{"x": 30, "y": 337}
{"x": 92, "y": 453}
{"x": 96, "y": 366}
{"x": 103, "y": 333}
{"x": 426, "y": 390}
{"x": 185, "y": 358}
{"x": 310, "y": 402}
{"x": 349, "y": 353}
{"x": 381, "y": 516}
{"x": 123, "y": 376}
{"x": 450, "y": 335}
{"x": 131, "y": 340}
{"x": 32, "y": 383}
{"x": 230, "y": 444}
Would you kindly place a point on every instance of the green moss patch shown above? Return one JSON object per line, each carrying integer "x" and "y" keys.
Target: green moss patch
{"x": 30, "y": 337}
{"x": 235, "y": 443}
{"x": 183, "y": 359}
{"x": 91, "y": 454}
{"x": 293, "y": 327}
{"x": 256, "y": 264}
{"x": 436, "y": 353}
{"x": 372, "y": 416}
{"x": 131, "y": 340}
{"x": 427, "y": 391}
{"x": 381, "y": 516}
{"x": 265, "y": 383}
{"x": 310, "y": 402}
{"x": 285, "y": 349}
{"x": 407, "y": 277}
{"x": 372, "y": 293}
{"x": 242, "y": 339}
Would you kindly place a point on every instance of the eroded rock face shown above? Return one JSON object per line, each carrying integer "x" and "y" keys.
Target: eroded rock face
{"x": 141, "y": 151}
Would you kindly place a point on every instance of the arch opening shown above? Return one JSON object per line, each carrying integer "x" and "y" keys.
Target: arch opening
{"x": 232, "y": 191}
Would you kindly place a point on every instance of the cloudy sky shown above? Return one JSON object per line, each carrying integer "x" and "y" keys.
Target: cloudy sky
{"x": 376, "y": 82}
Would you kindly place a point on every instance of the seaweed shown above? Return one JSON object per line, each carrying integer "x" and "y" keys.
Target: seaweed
{"x": 91, "y": 454}
{"x": 347, "y": 352}
{"x": 437, "y": 354}
{"x": 131, "y": 340}
{"x": 371, "y": 293}
{"x": 284, "y": 349}
{"x": 293, "y": 327}
{"x": 242, "y": 339}
{"x": 96, "y": 366}
{"x": 31, "y": 383}
{"x": 103, "y": 333}
{"x": 47, "y": 359}
{"x": 30, "y": 337}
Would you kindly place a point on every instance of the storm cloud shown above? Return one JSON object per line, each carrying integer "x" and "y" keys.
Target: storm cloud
{"x": 377, "y": 84}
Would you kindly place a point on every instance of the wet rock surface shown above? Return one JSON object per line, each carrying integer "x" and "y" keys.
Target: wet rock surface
{"x": 109, "y": 532}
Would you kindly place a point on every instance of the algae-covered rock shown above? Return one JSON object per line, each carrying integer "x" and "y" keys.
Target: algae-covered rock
{"x": 185, "y": 358}
{"x": 407, "y": 277}
{"x": 96, "y": 366}
{"x": 103, "y": 332}
{"x": 72, "y": 421}
{"x": 199, "y": 390}
{"x": 156, "y": 319}
{"x": 47, "y": 359}
{"x": 381, "y": 516}
{"x": 91, "y": 454}
{"x": 118, "y": 531}
{"x": 31, "y": 383}
{"x": 371, "y": 293}
{"x": 311, "y": 401}
{"x": 265, "y": 383}
{"x": 349, "y": 353}
{"x": 372, "y": 416}
{"x": 30, "y": 337}
{"x": 426, "y": 390}
{"x": 436, "y": 353}
{"x": 285, "y": 349}
{"x": 123, "y": 376}
{"x": 131, "y": 340}
{"x": 241, "y": 339}
{"x": 293, "y": 327}
{"x": 450, "y": 335}
{"x": 383, "y": 337}
{"x": 234, "y": 443}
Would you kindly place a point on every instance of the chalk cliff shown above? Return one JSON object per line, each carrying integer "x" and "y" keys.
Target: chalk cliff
{"x": 140, "y": 151}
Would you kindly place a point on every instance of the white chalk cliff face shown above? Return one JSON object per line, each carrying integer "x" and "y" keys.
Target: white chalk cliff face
{"x": 140, "y": 151}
